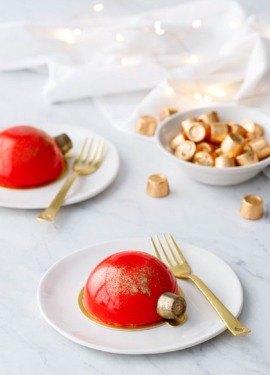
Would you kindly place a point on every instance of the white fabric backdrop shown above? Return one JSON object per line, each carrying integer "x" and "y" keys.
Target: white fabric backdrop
{"x": 183, "y": 56}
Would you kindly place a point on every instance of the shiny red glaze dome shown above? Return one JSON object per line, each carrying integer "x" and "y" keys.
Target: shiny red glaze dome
{"x": 124, "y": 288}
{"x": 28, "y": 157}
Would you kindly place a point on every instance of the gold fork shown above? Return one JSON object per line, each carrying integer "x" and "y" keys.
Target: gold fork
{"x": 87, "y": 162}
{"x": 181, "y": 269}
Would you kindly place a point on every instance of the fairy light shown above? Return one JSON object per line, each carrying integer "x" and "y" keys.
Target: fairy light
{"x": 119, "y": 37}
{"x": 198, "y": 96}
{"x": 77, "y": 32}
{"x": 158, "y": 28}
{"x": 70, "y": 36}
{"x": 196, "y": 24}
{"x": 157, "y": 24}
{"x": 124, "y": 61}
{"x": 233, "y": 24}
{"x": 160, "y": 31}
{"x": 67, "y": 35}
{"x": 192, "y": 59}
{"x": 207, "y": 98}
{"x": 169, "y": 90}
{"x": 217, "y": 92}
{"x": 98, "y": 7}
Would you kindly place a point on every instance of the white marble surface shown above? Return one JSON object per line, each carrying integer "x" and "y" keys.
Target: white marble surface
{"x": 202, "y": 215}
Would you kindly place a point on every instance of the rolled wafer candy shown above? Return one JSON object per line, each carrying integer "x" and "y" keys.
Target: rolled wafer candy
{"x": 224, "y": 161}
{"x": 147, "y": 126}
{"x": 247, "y": 158}
{"x": 209, "y": 117}
{"x": 171, "y": 306}
{"x": 196, "y": 132}
{"x": 64, "y": 142}
{"x": 157, "y": 186}
{"x": 232, "y": 145}
{"x": 253, "y": 129}
{"x": 263, "y": 153}
{"x": 177, "y": 140}
{"x": 203, "y": 158}
{"x": 185, "y": 150}
{"x": 251, "y": 207}
{"x": 218, "y": 132}
{"x": 167, "y": 112}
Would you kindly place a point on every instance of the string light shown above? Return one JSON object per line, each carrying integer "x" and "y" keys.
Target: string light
{"x": 217, "y": 92}
{"x": 157, "y": 25}
{"x": 207, "y": 98}
{"x": 234, "y": 24}
{"x": 192, "y": 59}
{"x": 77, "y": 32}
{"x": 160, "y": 31}
{"x": 124, "y": 61}
{"x": 158, "y": 28}
{"x": 208, "y": 94}
{"x": 169, "y": 90}
{"x": 98, "y": 7}
{"x": 119, "y": 37}
{"x": 196, "y": 24}
{"x": 66, "y": 35}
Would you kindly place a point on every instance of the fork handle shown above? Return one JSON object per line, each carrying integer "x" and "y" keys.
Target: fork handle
{"x": 49, "y": 214}
{"x": 233, "y": 324}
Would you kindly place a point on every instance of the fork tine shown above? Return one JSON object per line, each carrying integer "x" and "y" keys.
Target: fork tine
{"x": 93, "y": 153}
{"x": 87, "y": 150}
{"x": 155, "y": 248}
{"x": 81, "y": 151}
{"x": 100, "y": 153}
{"x": 170, "y": 248}
{"x": 179, "y": 252}
{"x": 168, "y": 261}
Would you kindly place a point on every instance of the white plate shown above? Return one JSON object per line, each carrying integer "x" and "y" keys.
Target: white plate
{"x": 59, "y": 288}
{"x": 83, "y": 188}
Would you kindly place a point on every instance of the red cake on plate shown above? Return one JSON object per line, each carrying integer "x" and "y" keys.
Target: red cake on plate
{"x": 123, "y": 290}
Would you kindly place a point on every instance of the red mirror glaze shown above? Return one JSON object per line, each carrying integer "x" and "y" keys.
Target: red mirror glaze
{"x": 28, "y": 157}
{"x": 124, "y": 288}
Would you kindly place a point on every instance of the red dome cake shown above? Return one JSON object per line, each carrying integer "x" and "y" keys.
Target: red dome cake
{"x": 124, "y": 288}
{"x": 28, "y": 157}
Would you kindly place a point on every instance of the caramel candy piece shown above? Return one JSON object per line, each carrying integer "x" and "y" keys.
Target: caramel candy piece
{"x": 263, "y": 153}
{"x": 177, "y": 140}
{"x": 147, "y": 126}
{"x": 186, "y": 124}
{"x": 203, "y": 158}
{"x": 219, "y": 130}
{"x": 171, "y": 306}
{"x": 185, "y": 150}
{"x": 157, "y": 186}
{"x": 218, "y": 152}
{"x": 209, "y": 117}
{"x": 223, "y": 161}
{"x": 196, "y": 132}
{"x": 249, "y": 157}
{"x": 236, "y": 129}
{"x": 167, "y": 112}
{"x": 258, "y": 144}
{"x": 232, "y": 145}
{"x": 204, "y": 146}
{"x": 253, "y": 129}
{"x": 251, "y": 207}
{"x": 64, "y": 142}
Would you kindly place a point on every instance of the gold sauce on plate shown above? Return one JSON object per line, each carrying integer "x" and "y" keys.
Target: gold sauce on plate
{"x": 175, "y": 322}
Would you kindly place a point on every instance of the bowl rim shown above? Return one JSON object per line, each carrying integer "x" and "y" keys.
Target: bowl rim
{"x": 237, "y": 169}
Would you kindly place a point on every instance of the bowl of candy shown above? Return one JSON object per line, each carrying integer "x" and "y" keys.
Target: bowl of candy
{"x": 217, "y": 145}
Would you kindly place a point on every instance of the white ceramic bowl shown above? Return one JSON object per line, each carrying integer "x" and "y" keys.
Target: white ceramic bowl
{"x": 212, "y": 175}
